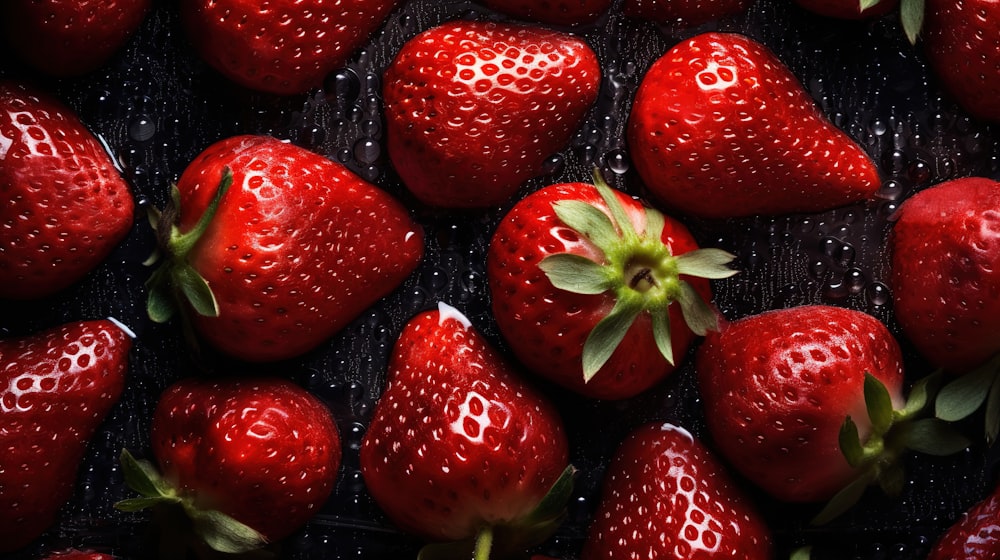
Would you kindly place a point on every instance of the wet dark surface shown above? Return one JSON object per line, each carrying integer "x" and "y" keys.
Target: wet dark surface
{"x": 157, "y": 106}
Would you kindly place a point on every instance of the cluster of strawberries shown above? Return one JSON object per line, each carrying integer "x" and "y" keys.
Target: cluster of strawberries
{"x": 267, "y": 250}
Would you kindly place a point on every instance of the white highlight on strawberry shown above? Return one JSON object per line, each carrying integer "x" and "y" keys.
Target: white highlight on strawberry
{"x": 129, "y": 332}
{"x": 716, "y": 77}
{"x": 668, "y": 427}
{"x": 446, "y": 312}
{"x": 478, "y": 414}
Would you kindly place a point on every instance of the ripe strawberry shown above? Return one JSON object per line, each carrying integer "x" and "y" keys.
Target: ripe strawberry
{"x": 461, "y": 449}
{"x": 474, "y": 109}
{"x": 65, "y": 207}
{"x": 56, "y": 387}
{"x": 583, "y": 281}
{"x": 667, "y": 497}
{"x": 555, "y": 12}
{"x": 720, "y": 128}
{"x": 69, "y": 37}
{"x": 963, "y": 49}
{"x": 849, "y": 9}
{"x": 945, "y": 272}
{"x": 73, "y": 554}
{"x": 685, "y": 13}
{"x": 976, "y": 536}
{"x": 800, "y": 401}
{"x": 286, "y": 257}
{"x": 249, "y": 460}
{"x": 282, "y": 48}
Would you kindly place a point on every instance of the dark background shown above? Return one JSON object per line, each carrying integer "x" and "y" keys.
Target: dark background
{"x": 157, "y": 105}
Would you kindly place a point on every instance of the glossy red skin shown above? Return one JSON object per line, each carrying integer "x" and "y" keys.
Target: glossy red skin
{"x": 264, "y": 451}
{"x": 458, "y": 438}
{"x": 974, "y": 536}
{"x": 721, "y": 128}
{"x": 65, "y": 205}
{"x": 56, "y": 388}
{"x": 555, "y": 12}
{"x": 546, "y": 327}
{"x": 778, "y": 386}
{"x": 461, "y": 136}
{"x": 847, "y": 9}
{"x": 685, "y": 13}
{"x": 666, "y": 497}
{"x": 283, "y": 47}
{"x": 70, "y": 37}
{"x": 73, "y": 554}
{"x": 299, "y": 247}
{"x": 945, "y": 271}
{"x": 963, "y": 49}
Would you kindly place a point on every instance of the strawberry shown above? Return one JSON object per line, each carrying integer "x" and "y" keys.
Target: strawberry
{"x": 807, "y": 403}
{"x": 73, "y": 554}
{"x": 282, "y": 48}
{"x": 65, "y": 206}
{"x": 849, "y": 9}
{"x": 583, "y": 281}
{"x": 666, "y": 496}
{"x": 555, "y": 12}
{"x": 720, "y": 128}
{"x": 975, "y": 536}
{"x": 945, "y": 271}
{"x": 277, "y": 263}
{"x": 963, "y": 49}
{"x": 474, "y": 109}
{"x": 70, "y": 37}
{"x": 249, "y": 460}
{"x": 684, "y": 13}
{"x": 56, "y": 387}
{"x": 460, "y": 450}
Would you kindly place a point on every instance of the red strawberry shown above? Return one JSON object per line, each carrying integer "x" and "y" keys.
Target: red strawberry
{"x": 65, "y": 205}
{"x": 56, "y": 387}
{"x": 685, "y": 13}
{"x": 73, "y": 554}
{"x": 474, "y": 109}
{"x": 292, "y": 252}
{"x": 801, "y": 402}
{"x": 583, "y": 281}
{"x": 963, "y": 47}
{"x": 667, "y": 497}
{"x": 849, "y": 9}
{"x": 945, "y": 271}
{"x": 285, "y": 47}
{"x": 720, "y": 128}
{"x": 555, "y": 12}
{"x": 976, "y": 536}
{"x": 460, "y": 448}
{"x": 70, "y": 37}
{"x": 249, "y": 460}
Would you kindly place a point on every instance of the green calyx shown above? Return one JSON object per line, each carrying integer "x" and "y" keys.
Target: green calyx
{"x": 893, "y": 432}
{"x": 219, "y": 531}
{"x": 968, "y": 392}
{"x": 175, "y": 279}
{"x": 638, "y": 269}
{"x": 911, "y": 15}
{"x": 513, "y": 539}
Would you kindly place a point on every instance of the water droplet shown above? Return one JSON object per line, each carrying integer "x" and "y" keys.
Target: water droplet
{"x": 878, "y": 293}
{"x": 142, "y": 128}
{"x": 344, "y": 155}
{"x": 617, "y": 162}
{"x": 554, "y": 165}
{"x": 855, "y": 280}
{"x": 367, "y": 151}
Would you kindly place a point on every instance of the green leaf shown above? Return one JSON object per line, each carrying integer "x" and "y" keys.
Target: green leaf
{"x": 850, "y": 443}
{"x": 698, "y": 315}
{"x": 661, "y": 333}
{"x": 911, "y": 13}
{"x": 868, "y": 4}
{"x": 224, "y": 533}
{"x": 892, "y": 480}
{"x": 921, "y": 394}
{"x": 618, "y": 214}
{"x": 139, "y": 504}
{"x": 575, "y": 273}
{"x": 879, "y": 404}
{"x": 160, "y": 303}
{"x": 992, "y": 427}
{"x": 554, "y": 503}
{"x": 654, "y": 224}
{"x": 964, "y": 395}
{"x": 143, "y": 477}
{"x": 706, "y": 263}
{"x": 608, "y": 334}
{"x": 589, "y": 221}
{"x": 845, "y": 499}
{"x": 804, "y": 553}
{"x": 935, "y": 437}
{"x": 196, "y": 290}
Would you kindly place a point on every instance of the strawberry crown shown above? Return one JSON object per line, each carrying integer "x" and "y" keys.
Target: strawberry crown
{"x": 639, "y": 269}
{"x": 893, "y": 431}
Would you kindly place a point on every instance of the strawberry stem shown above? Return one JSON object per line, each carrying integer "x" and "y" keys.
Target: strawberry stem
{"x": 484, "y": 543}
